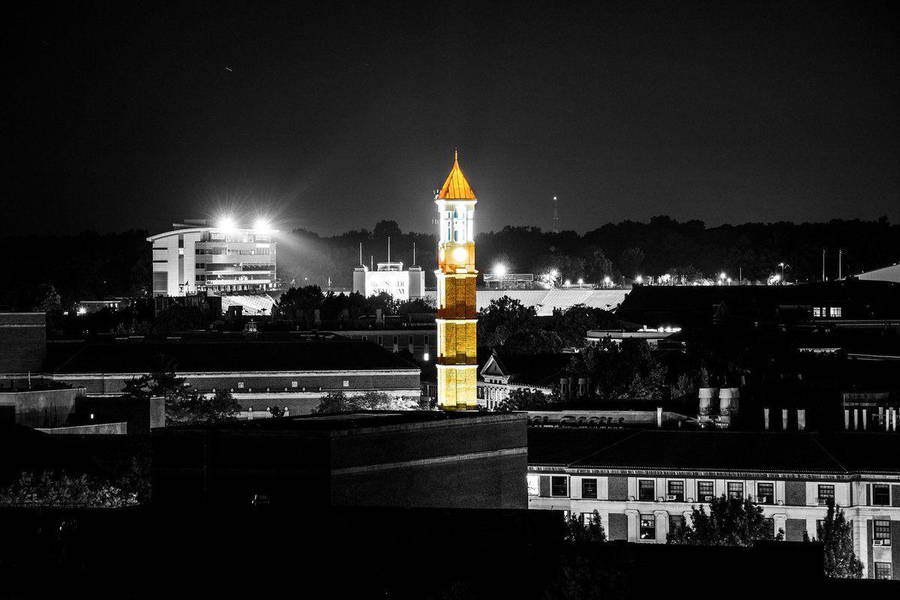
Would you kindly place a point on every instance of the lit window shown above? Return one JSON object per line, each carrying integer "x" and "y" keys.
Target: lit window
{"x": 735, "y": 490}
{"x": 293, "y": 384}
{"x": 559, "y": 486}
{"x": 881, "y": 532}
{"x": 881, "y": 495}
{"x": 818, "y": 311}
{"x": 346, "y": 383}
{"x": 648, "y": 527}
{"x": 589, "y": 488}
{"x": 765, "y": 493}
{"x": 882, "y": 570}
{"x": 646, "y": 491}
{"x": 835, "y": 312}
{"x": 675, "y": 491}
{"x": 240, "y": 385}
{"x": 826, "y": 494}
{"x": 705, "y": 491}
{"x": 534, "y": 485}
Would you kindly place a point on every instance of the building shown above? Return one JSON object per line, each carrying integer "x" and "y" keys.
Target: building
{"x": 644, "y": 484}
{"x": 194, "y": 257}
{"x": 503, "y": 373}
{"x": 417, "y": 341}
{"x": 23, "y": 342}
{"x": 457, "y": 361}
{"x": 390, "y": 278}
{"x": 410, "y": 459}
{"x": 292, "y": 371}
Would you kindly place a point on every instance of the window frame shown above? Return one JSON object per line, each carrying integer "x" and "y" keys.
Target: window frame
{"x": 641, "y": 489}
{"x": 759, "y": 495}
{"x": 670, "y": 493}
{"x": 820, "y": 497}
{"x": 887, "y": 489}
{"x": 641, "y": 520}
{"x": 593, "y": 481}
{"x": 553, "y": 480}
{"x": 881, "y": 532}
{"x": 701, "y": 497}
{"x": 728, "y": 492}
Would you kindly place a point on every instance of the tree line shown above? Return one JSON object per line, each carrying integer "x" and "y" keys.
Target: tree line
{"x": 95, "y": 266}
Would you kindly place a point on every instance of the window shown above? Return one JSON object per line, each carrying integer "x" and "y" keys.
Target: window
{"x": 240, "y": 385}
{"x": 648, "y": 527}
{"x": 293, "y": 384}
{"x": 675, "y": 491}
{"x": 835, "y": 312}
{"x": 589, "y": 488}
{"x": 534, "y": 485}
{"x": 559, "y": 486}
{"x": 705, "y": 491}
{"x": 769, "y": 524}
{"x": 765, "y": 493}
{"x": 646, "y": 490}
{"x": 818, "y": 311}
{"x": 346, "y": 383}
{"x": 676, "y": 524}
{"x": 881, "y": 495}
{"x": 882, "y": 570}
{"x": 881, "y": 532}
{"x": 826, "y": 494}
{"x": 735, "y": 489}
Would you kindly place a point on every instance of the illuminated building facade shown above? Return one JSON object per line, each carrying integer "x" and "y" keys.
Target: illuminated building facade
{"x": 457, "y": 363}
{"x": 194, "y": 257}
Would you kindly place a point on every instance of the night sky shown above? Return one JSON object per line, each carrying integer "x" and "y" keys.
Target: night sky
{"x": 335, "y": 116}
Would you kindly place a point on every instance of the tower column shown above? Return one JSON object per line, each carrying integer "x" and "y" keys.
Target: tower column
{"x": 457, "y": 319}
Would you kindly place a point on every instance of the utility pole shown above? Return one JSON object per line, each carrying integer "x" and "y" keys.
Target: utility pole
{"x": 823, "y": 264}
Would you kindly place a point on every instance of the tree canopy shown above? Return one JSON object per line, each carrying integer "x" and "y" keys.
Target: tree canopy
{"x": 729, "y": 522}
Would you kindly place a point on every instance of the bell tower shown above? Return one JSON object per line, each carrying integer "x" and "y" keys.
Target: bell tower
{"x": 457, "y": 363}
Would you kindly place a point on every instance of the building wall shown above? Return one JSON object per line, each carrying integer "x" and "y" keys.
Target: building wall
{"x": 399, "y": 380}
{"x": 794, "y": 509}
{"x": 420, "y": 343}
{"x": 42, "y": 408}
{"x": 23, "y": 342}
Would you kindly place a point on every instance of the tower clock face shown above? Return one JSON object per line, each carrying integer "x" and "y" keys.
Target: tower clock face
{"x": 460, "y": 255}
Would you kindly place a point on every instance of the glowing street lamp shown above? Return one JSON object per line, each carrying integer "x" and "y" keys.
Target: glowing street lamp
{"x": 607, "y": 281}
{"x": 639, "y": 279}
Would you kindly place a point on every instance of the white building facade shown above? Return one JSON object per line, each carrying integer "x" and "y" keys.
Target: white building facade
{"x": 189, "y": 259}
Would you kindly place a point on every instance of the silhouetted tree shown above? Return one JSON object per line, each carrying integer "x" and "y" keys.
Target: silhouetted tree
{"x": 836, "y": 536}
{"x": 729, "y": 522}
{"x": 589, "y": 531}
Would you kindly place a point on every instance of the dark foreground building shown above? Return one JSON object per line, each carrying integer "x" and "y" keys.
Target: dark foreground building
{"x": 388, "y": 459}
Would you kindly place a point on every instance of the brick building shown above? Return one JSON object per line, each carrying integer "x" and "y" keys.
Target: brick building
{"x": 643, "y": 484}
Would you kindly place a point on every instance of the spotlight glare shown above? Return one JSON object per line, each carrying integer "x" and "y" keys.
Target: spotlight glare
{"x": 226, "y": 224}
{"x": 500, "y": 269}
{"x": 262, "y": 225}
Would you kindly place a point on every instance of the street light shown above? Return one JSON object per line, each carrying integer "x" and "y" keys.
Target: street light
{"x": 226, "y": 224}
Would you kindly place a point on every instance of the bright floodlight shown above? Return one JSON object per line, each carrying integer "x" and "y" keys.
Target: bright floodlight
{"x": 639, "y": 279}
{"x": 226, "y": 224}
{"x": 607, "y": 280}
{"x": 500, "y": 269}
{"x": 722, "y": 276}
{"x": 568, "y": 283}
{"x": 262, "y": 225}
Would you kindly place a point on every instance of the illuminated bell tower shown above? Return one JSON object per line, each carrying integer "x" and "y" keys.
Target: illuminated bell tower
{"x": 457, "y": 363}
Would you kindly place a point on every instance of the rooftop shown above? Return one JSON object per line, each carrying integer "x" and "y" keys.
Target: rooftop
{"x": 456, "y": 186}
{"x": 837, "y": 453}
{"x": 225, "y": 356}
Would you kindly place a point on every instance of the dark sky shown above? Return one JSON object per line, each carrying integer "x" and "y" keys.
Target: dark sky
{"x": 333, "y": 116}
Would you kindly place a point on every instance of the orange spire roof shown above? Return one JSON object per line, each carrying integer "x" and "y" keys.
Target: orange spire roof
{"x": 456, "y": 187}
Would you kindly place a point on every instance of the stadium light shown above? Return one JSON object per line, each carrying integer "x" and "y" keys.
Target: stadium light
{"x": 226, "y": 224}
{"x": 262, "y": 225}
{"x": 500, "y": 269}
{"x": 639, "y": 279}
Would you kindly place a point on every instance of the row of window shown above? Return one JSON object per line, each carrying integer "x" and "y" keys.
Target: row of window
{"x": 833, "y": 312}
{"x": 675, "y": 490}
